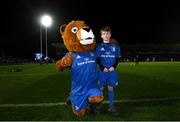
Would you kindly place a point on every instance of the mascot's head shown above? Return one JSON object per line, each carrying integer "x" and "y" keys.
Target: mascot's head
{"x": 77, "y": 36}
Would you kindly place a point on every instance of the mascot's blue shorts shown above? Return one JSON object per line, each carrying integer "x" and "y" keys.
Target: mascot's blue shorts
{"x": 80, "y": 101}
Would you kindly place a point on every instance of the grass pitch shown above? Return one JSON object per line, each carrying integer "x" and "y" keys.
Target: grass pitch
{"x": 149, "y": 91}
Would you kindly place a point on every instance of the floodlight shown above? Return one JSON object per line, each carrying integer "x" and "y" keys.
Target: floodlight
{"x": 46, "y": 20}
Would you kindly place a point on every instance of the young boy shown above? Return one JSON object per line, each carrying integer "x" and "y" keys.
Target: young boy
{"x": 108, "y": 54}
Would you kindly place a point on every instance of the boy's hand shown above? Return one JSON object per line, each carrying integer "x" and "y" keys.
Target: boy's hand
{"x": 111, "y": 69}
{"x": 105, "y": 70}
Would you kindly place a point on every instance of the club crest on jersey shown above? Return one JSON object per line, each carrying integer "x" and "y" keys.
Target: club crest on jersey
{"x": 113, "y": 49}
{"x": 102, "y": 49}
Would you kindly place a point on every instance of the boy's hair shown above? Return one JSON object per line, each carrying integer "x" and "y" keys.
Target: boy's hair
{"x": 106, "y": 29}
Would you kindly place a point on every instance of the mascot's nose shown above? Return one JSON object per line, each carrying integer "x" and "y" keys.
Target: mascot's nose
{"x": 87, "y": 29}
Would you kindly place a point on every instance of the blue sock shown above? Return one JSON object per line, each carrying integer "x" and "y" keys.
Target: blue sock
{"x": 111, "y": 98}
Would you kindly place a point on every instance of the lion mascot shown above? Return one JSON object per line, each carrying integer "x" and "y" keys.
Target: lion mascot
{"x": 80, "y": 42}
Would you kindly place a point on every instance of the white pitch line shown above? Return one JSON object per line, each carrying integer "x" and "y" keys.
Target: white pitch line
{"x": 145, "y": 100}
{"x": 104, "y": 102}
{"x": 33, "y": 105}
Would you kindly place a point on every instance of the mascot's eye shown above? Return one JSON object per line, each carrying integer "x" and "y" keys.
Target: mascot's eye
{"x": 74, "y": 29}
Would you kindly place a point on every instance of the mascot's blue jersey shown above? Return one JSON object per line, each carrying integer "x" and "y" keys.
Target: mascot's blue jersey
{"x": 84, "y": 72}
{"x": 108, "y": 53}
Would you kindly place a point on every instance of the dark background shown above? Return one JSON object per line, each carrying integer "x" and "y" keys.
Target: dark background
{"x": 132, "y": 22}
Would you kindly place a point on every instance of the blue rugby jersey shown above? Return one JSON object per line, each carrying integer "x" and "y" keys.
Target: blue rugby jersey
{"x": 84, "y": 72}
{"x": 108, "y": 52}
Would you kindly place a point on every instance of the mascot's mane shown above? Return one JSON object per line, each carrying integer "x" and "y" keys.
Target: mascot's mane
{"x": 113, "y": 41}
{"x": 77, "y": 36}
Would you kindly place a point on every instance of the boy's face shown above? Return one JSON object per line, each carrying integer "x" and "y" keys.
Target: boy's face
{"x": 105, "y": 35}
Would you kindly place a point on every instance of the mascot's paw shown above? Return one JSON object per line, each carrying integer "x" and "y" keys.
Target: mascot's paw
{"x": 59, "y": 67}
{"x": 94, "y": 109}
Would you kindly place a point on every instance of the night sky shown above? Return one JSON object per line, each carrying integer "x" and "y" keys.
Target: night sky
{"x": 131, "y": 22}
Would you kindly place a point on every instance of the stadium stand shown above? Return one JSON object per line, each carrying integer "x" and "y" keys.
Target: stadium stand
{"x": 145, "y": 52}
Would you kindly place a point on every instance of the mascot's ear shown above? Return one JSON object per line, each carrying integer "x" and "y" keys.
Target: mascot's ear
{"x": 62, "y": 28}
